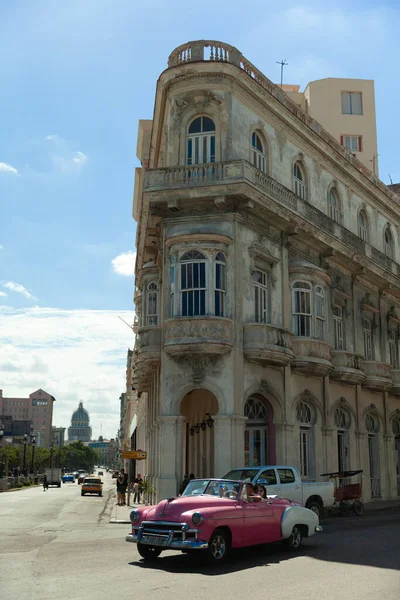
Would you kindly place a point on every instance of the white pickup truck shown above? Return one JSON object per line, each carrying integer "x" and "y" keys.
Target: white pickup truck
{"x": 285, "y": 481}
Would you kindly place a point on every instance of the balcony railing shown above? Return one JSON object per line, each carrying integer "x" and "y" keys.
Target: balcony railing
{"x": 219, "y": 52}
{"x": 241, "y": 171}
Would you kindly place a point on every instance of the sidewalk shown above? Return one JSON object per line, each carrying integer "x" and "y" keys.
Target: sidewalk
{"x": 120, "y": 514}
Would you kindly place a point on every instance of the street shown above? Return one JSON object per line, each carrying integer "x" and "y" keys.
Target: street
{"x": 59, "y": 545}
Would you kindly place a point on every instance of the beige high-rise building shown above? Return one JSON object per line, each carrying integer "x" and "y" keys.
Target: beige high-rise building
{"x": 346, "y": 109}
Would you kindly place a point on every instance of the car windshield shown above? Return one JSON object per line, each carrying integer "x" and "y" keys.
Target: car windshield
{"x": 242, "y": 474}
{"x": 214, "y": 487}
{"x": 91, "y": 481}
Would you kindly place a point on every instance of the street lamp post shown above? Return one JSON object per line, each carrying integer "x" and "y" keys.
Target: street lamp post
{"x": 25, "y": 442}
{"x": 33, "y": 444}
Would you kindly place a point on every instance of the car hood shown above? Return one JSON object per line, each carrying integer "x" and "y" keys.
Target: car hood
{"x": 173, "y": 508}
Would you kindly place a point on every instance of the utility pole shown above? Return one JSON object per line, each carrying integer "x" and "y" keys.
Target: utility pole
{"x": 283, "y": 64}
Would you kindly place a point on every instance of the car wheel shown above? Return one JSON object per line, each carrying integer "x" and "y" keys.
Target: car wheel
{"x": 358, "y": 508}
{"x": 82, "y": 494}
{"x": 219, "y": 546}
{"x": 100, "y": 494}
{"x": 148, "y": 552}
{"x": 293, "y": 542}
{"x": 316, "y": 508}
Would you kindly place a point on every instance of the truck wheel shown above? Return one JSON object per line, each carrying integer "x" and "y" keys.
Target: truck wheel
{"x": 293, "y": 542}
{"x": 358, "y": 508}
{"x": 148, "y": 552}
{"x": 219, "y": 546}
{"x": 59, "y": 484}
{"x": 316, "y": 507}
{"x": 82, "y": 494}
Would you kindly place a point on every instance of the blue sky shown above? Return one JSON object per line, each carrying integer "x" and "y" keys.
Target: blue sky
{"x": 76, "y": 78}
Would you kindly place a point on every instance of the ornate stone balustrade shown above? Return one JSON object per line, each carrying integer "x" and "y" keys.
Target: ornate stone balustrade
{"x": 147, "y": 356}
{"x": 214, "y": 51}
{"x": 267, "y": 345}
{"x": 198, "y": 335}
{"x": 149, "y": 339}
{"x": 378, "y": 375}
{"x": 347, "y": 367}
{"x": 241, "y": 171}
{"x": 312, "y": 357}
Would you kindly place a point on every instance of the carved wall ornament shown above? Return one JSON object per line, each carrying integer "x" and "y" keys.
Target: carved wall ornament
{"x": 261, "y": 258}
{"x": 317, "y": 170}
{"x": 199, "y": 364}
{"x": 282, "y": 140}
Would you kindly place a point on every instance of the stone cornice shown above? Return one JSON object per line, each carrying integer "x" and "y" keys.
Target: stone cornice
{"x": 198, "y": 237}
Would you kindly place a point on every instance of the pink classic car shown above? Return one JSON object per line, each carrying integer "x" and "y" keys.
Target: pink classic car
{"x": 215, "y": 515}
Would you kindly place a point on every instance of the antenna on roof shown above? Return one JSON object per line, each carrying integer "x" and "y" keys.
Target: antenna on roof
{"x": 130, "y": 326}
{"x": 391, "y": 182}
{"x": 283, "y": 64}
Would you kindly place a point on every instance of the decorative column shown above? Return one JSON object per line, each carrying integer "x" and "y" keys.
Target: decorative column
{"x": 169, "y": 441}
{"x": 238, "y": 427}
{"x": 223, "y": 445}
{"x": 330, "y": 450}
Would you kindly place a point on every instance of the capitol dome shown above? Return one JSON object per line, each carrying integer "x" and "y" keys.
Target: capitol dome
{"x": 80, "y": 429}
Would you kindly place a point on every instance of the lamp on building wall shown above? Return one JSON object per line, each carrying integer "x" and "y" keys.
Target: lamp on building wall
{"x": 203, "y": 425}
{"x": 210, "y": 420}
{"x": 197, "y": 428}
{"x": 191, "y": 430}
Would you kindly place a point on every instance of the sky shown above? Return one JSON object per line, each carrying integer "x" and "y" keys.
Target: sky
{"x": 76, "y": 77}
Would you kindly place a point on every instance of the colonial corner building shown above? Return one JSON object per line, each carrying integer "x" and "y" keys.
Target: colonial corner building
{"x": 267, "y": 277}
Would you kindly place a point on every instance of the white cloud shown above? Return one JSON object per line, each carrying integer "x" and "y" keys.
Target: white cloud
{"x": 1, "y": 247}
{"x": 124, "y": 264}
{"x": 65, "y": 160}
{"x": 72, "y": 354}
{"x": 19, "y": 289}
{"x": 3, "y": 294}
{"x": 5, "y": 168}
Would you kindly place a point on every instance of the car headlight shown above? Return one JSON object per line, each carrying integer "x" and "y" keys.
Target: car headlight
{"x": 134, "y": 516}
{"x": 196, "y": 518}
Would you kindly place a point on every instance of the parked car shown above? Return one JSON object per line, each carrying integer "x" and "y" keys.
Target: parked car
{"x": 76, "y": 474}
{"x": 114, "y": 475}
{"x": 216, "y": 515}
{"x": 100, "y": 473}
{"x": 81, "y": 477}
{"x": 285, "y": 481}
{"x": 68, "y": 477}
{"x": 92, "y": 485}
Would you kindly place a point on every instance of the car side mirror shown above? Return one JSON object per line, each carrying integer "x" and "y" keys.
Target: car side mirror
{"x": 261, "y": 482}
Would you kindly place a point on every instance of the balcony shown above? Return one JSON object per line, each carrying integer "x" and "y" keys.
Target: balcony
{"x": 312, "y": 357}
{"x": 347, "y": 367}
{"x": 239, "y": 176}
{"x": 378, "y": 375}
{"x": 147, "y": 357}
{"x": 267, "y": 345}
{"x": 198, "y": 335}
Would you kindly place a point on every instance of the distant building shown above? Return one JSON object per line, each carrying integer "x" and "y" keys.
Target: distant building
{"x": 59, "y": 436}
{"x": 24, "y": 413}
{"x": 107, "y": 449}
{"x": 80, "y": 429}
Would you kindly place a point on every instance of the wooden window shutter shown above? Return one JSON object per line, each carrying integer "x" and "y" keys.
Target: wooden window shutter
{"x": 359, "y": 143}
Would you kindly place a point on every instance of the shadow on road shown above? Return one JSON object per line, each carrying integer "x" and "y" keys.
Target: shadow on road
{"x": 370, "y": 541}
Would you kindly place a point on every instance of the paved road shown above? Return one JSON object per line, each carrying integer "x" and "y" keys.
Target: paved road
{"x": 58, "y": 545}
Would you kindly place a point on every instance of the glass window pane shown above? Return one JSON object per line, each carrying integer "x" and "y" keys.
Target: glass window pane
{"x": 202, "y": 275}
{"x": 212, "y": 152}
{"x": 195, "y": 268}
{"x": 183, "y": 277}
{"x": 208, "y": 124}
{"x": 203, "y": 302}
{"x": 356, "y": 103}
{"x": 195, "y": 126}
{"x": 346, "y": 108}
{"x": 189, "y": 151}
{"x": 218, "y": 304}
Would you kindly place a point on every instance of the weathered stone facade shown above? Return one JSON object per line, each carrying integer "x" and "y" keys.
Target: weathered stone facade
{"x": 267, "y": 285}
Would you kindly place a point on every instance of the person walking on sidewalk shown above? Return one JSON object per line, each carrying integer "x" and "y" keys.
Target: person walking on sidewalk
{"x": 137, "y": 488}
{"x": 45, "y": 484}
{"x": 122, "y": 484}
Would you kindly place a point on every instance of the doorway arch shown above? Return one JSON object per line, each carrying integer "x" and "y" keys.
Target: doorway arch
{"x": 198, "y": 408}
{"x": 259, "y": 433}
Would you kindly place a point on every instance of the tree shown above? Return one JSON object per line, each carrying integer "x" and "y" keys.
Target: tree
{"x": 78, "y": 456}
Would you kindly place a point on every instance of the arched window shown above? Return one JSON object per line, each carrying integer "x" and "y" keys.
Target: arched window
{"x": 363, "y": 225}
{"x": 193, "y": 284}
{"x": 334, "y": 206}
{"x": 302, "y": 314}
{"x": 258, "y": 152}
{"x": 220, "y": 285}
{"x": 200, "y": 141}
{"x": 260, "y": 291}
{"x": 152, "y": 304}
{"x": 396, "y": 427}
{"x": 299, "y": 181}
{"x": 342, "y": 418}
{"x": 255, "y": 410}
{"x": 388, "y": 242}
{"x": 342, "y": 422}
{"x": 258, "y": 433}
{"x": 305, "y": 416}
{"x": 372, "y": 427}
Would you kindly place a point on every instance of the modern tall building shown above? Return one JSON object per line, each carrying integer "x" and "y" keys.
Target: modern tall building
{"x": 37, "y": 410}
{"x": 346, "y": 109}
{"x": 267, "y": 279}
{"x": 80, "y": 429}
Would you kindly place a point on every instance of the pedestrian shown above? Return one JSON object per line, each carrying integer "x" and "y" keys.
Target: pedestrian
{"x": 184, "y": 483}
{"x": 122, "y": 484}
{"x": 137, "y": 488}
{"x": 45, "y": 484}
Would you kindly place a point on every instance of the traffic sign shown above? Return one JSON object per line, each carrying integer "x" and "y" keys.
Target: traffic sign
{"x": 134, "y": 454}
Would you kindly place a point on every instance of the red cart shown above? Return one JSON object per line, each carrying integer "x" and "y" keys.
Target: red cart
{"x": 347, "y": 495}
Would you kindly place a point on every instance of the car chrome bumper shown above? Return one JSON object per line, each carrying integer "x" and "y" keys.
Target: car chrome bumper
{"x": 172, "y": 544}
{"x": 319, "y": 528}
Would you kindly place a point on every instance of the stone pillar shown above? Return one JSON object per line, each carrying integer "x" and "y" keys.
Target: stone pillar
{"x": 330, "y": 450}
{"x": 167, "y": 484}
{"x": 280, "y": 443}
{"x": 291, "y": 435}
{"x": 390, "y": 483}
{"x": 364, "y": 465}
{"x": 223, "y": 454}
{"x": 238, "y": 427}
